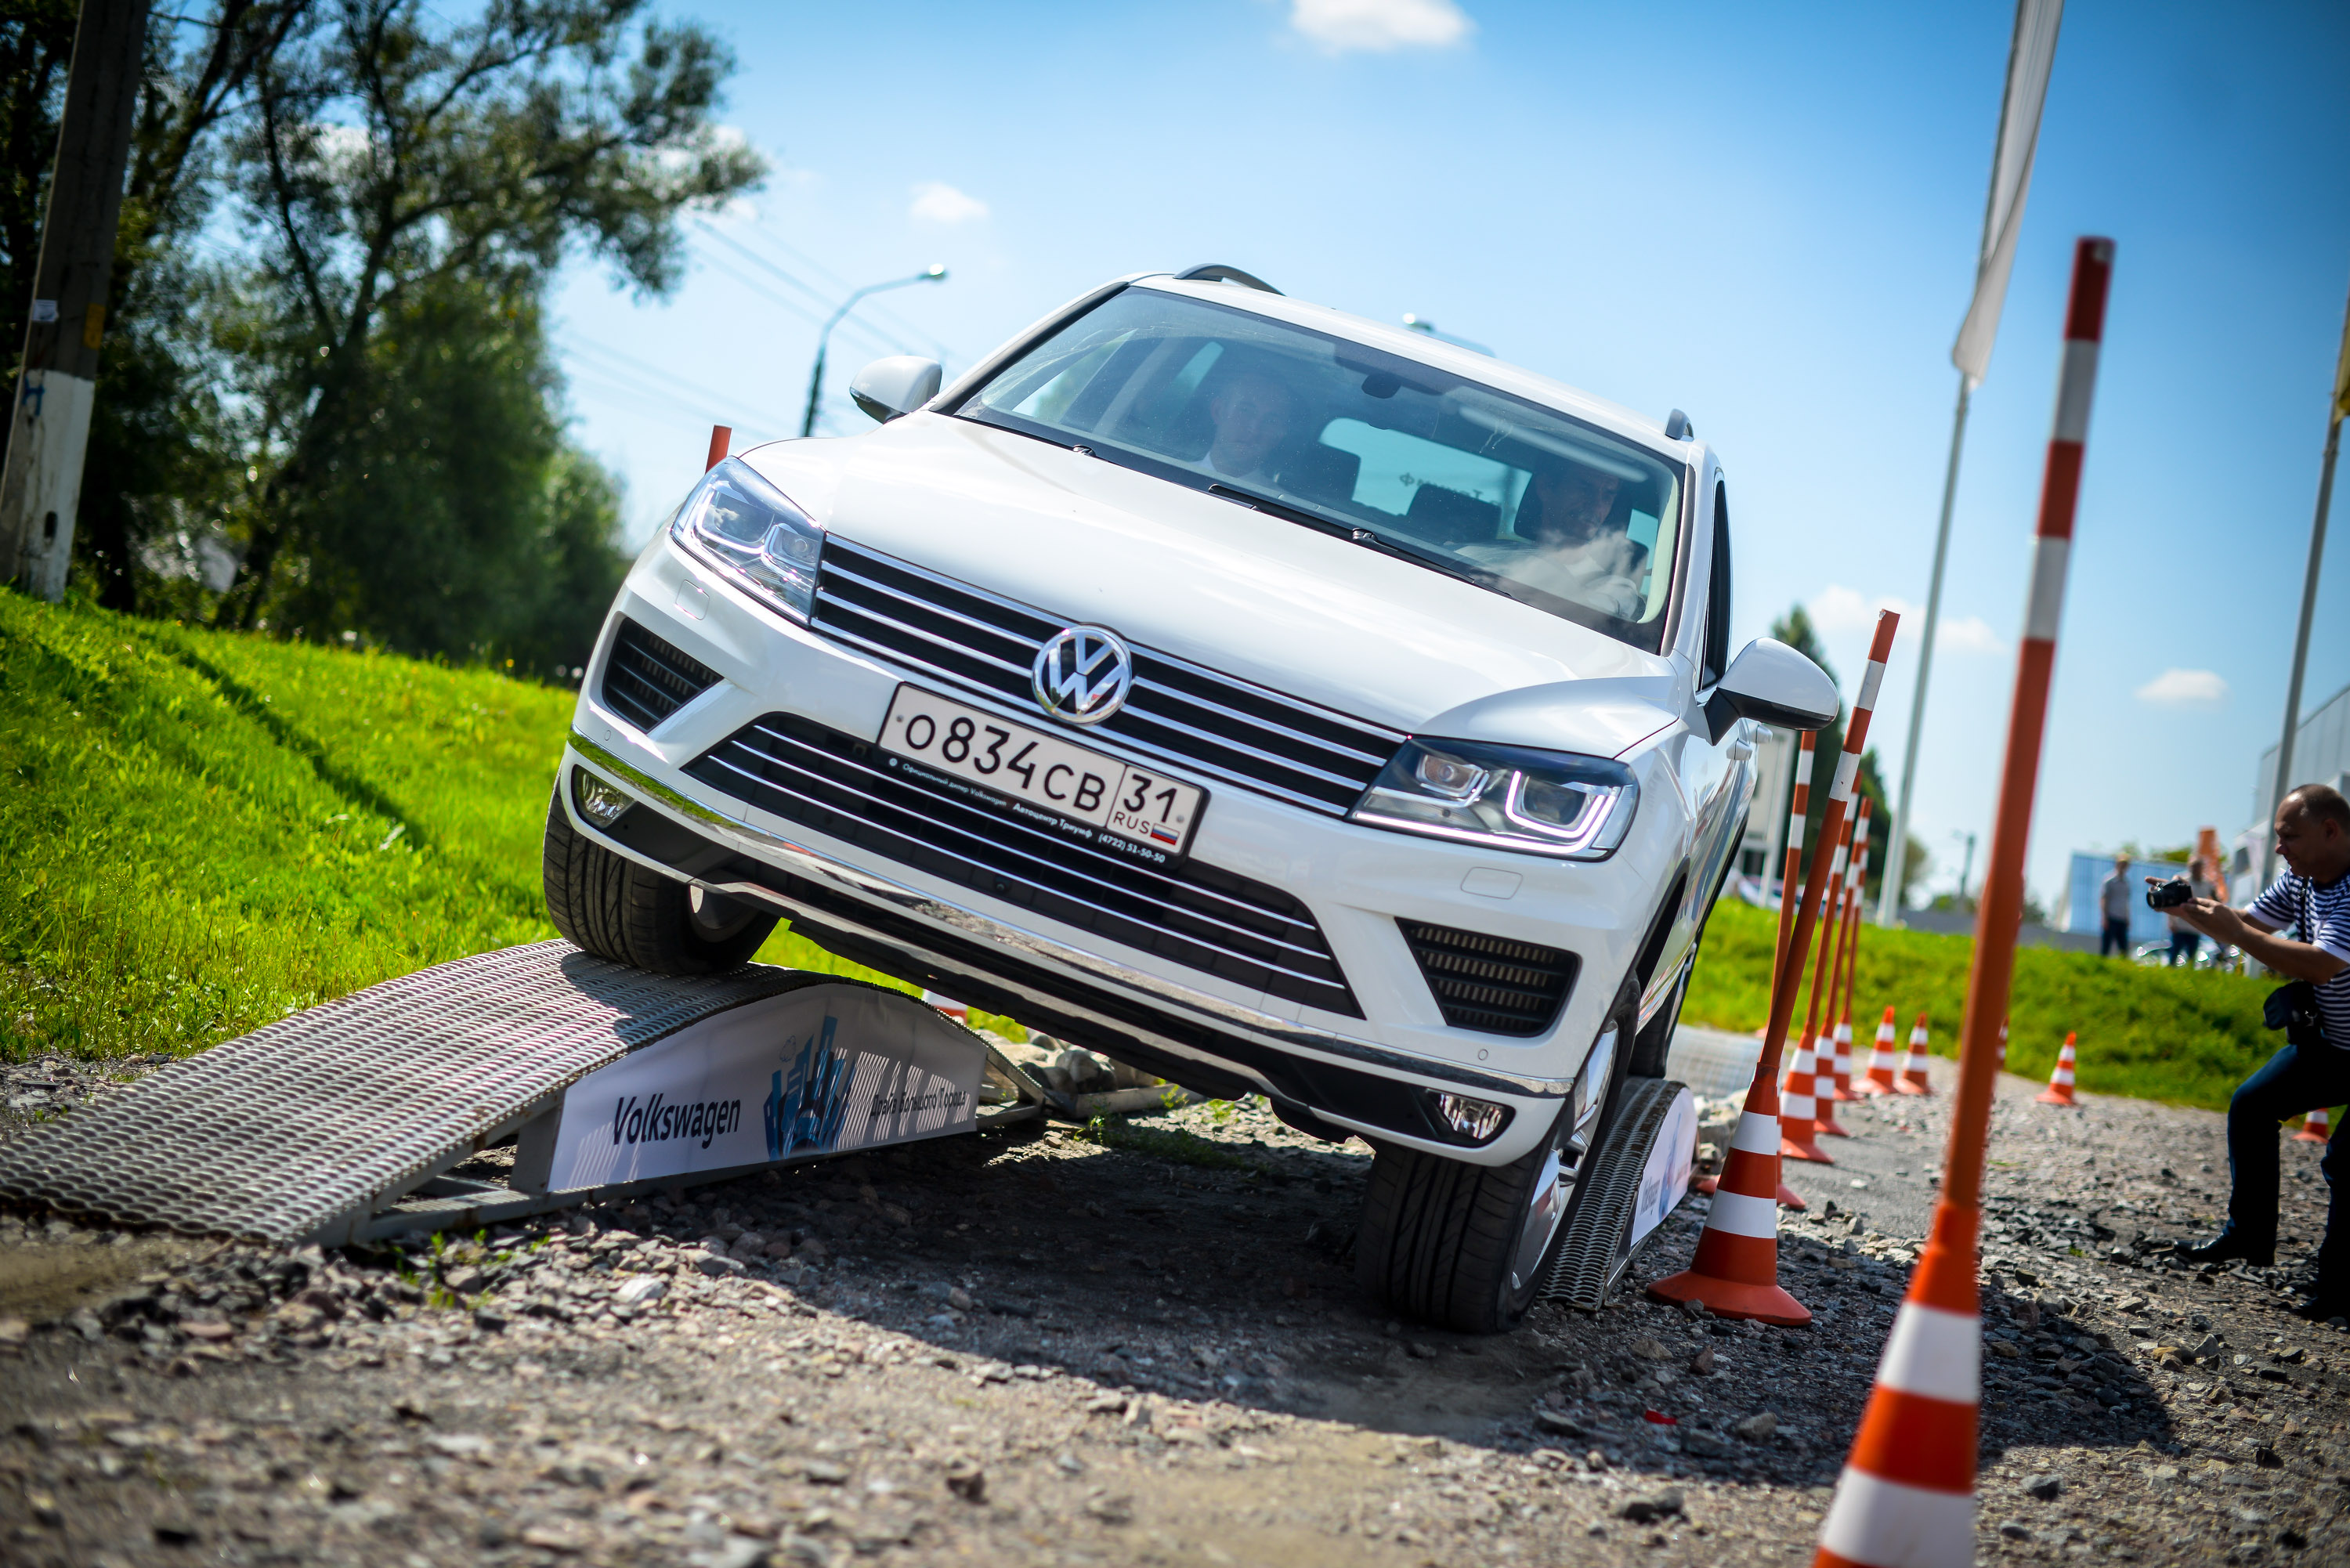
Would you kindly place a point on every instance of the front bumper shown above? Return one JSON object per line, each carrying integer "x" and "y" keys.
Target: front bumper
{"x": 1364, "y": 1074}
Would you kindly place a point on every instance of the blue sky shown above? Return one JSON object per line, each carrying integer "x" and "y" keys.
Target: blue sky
{"x": 1769, "y": 219}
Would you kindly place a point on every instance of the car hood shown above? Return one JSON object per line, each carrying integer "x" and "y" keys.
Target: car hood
{"x": 1224, "y": 587}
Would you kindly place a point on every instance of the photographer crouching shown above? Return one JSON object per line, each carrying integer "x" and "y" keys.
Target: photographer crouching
{"x": 2313, "y": 895}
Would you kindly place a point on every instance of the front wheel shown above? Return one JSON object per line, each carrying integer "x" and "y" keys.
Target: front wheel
{"x": 1466, "y": 1246}
{"x": 609, "y": 906}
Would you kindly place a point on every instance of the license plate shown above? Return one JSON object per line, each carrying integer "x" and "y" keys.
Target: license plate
{"x": 1044, "y": 771}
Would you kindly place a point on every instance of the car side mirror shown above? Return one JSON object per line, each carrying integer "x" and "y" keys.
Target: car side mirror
{"x": 1772, "y": 684}
{"x": 899, "y": 385}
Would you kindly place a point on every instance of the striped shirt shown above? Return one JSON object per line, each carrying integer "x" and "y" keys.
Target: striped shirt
{"x": 2322, "y": 915}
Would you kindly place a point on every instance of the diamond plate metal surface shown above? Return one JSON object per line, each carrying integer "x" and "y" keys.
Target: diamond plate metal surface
{"x": 273, "y": 1134}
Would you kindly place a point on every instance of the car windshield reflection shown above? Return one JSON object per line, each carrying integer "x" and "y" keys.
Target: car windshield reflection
{"x": 1460, "y": 477}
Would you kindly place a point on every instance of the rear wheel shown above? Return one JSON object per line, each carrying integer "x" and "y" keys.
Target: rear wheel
{"x": 609, "y": 906}
{"x": 1466, "y": 1246}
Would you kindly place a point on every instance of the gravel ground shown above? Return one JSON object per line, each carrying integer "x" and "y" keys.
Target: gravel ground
{"x": 1032, "y": 1347}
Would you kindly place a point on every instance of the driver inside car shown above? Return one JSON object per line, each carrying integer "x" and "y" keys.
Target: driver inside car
{"x": 1252, "y": 412}
{"x": 1567, "y": 543}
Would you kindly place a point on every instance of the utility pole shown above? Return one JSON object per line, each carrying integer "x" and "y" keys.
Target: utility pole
{"x": 2283, "y": 782}
{"x": 48, "y": 423}
{"x": 934, "y": 273}
{"x": 2031, "y": 56}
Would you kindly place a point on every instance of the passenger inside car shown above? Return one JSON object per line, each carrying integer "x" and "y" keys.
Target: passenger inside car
{"x": 1572, "y": 541}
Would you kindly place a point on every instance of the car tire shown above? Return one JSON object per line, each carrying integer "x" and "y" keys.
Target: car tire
{"x": 1447, "y": 1241}
{"x": 607, "y": 905}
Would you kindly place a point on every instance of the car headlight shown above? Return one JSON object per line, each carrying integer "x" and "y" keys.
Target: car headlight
{"x": 741, "y": 522}
{"x": 1504, "y": 797}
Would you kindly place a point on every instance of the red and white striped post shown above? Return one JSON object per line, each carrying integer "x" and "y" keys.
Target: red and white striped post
{"x": 1804, "y": 1107}
{"x": 1799, "y": 807}
{"x": 1735, "y": 1271}
{"x": 1906, "y": 1499}
{"x": 1840, "y": 1001}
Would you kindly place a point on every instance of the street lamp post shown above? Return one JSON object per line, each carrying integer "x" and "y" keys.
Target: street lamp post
{"x": 934, "y": 273}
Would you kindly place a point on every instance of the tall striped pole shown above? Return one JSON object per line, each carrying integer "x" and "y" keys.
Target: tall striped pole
{"x": 1840, "y": 1002}
{"x": 1799, "y": 807}
{"x": 1735, "y": 1271}
{"x": 1906, "y": 1499}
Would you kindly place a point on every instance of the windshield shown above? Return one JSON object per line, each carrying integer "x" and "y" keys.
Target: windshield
{"x": 1463, "y": 479}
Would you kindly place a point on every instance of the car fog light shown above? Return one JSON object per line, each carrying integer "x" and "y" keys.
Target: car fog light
{"x": 601, "y": 803}
{"x": 1471, "y": 1121}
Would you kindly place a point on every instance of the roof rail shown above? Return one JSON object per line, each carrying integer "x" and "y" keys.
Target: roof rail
{"x": 1217, "y": 271}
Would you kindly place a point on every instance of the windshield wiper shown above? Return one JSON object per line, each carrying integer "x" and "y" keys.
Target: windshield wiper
{"x": 1428, "y": 558}
{"x": 1285, "y": 513}
{"x": 1359, "y": 535}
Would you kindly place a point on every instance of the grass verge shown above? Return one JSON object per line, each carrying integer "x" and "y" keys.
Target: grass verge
{"x": 202, "y": 832}
{"x": 2183, "y": 1036}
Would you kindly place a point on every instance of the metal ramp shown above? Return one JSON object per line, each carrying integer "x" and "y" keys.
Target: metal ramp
{"x": 1638, "y": 1176}
{"x": 339, "y": 1124}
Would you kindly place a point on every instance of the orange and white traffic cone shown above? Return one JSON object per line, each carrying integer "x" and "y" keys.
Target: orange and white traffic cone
{"x": 2059, "y": 1091}
{"x": 1824, "y": 1094}
{"x": 1913, "y": 1080}
{"x": 1907, "y": 1498}
{"x": 1736, "y": 1270}
{"x": 1844, "y": 1088}
{"x": 1883, "y": 1062}
{"x": 2315, "y": 1127}
{"x": 1799, "y": 1108}
{"x": 1840, "y": 999}
{"x": 1789, "y": 1198}
{"x": 954, "y": 1010}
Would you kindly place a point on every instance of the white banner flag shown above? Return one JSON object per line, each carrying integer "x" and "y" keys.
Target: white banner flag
{"x": 2030, "y": 56}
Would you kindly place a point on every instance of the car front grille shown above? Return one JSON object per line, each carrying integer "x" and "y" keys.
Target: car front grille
{"x": 1196, "y": 915}
{"x": 1176, "y": 712}
{"x": 1491, "y": 984}
{"x": 647, "y": 678}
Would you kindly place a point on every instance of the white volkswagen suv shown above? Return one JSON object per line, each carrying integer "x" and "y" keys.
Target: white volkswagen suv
{"x": 1271, "y": 700}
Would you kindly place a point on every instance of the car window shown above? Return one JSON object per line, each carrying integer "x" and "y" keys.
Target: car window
{"x": 1521, "y": 498}
{"x": 1717, "y": 612}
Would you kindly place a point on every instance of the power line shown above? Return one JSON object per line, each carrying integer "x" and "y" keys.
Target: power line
{"x": 881, "y": 311}
{"x": 872, "y": 338}
{"x": 691, "y": 389}
{"x": 588, "y": 378}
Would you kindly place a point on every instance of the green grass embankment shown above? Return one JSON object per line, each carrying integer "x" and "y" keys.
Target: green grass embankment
{"x": 202, "y": 832}
{"x": 2184, "y": 1036}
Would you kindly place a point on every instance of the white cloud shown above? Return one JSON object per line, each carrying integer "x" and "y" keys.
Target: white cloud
{"x": 1379, "y": 25}
{"x": 1968, "y": 634}
{"x": 2185, "y": 689}
{"x": 936, "y": 202}
{"x": 1837, "y": 609}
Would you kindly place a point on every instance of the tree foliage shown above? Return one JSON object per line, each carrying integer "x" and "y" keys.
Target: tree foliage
{"x": 329, "y": 405}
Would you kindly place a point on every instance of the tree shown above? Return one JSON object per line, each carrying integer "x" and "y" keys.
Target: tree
{"x": 390, "y": 156}
{"x": 36, "y": 48}
{"x": 348, "y": 417}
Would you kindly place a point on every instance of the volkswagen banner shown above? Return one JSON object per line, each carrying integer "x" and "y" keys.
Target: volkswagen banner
{"x": 822, "y": 1070}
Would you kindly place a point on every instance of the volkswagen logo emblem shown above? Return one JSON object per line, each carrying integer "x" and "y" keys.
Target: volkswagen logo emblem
{"x": 1082, "y": 673}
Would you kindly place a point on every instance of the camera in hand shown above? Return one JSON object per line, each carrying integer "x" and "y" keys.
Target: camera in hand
{"x": 2169, "y": 894}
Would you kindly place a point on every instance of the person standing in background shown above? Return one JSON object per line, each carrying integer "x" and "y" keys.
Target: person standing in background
{"x": 2114, "y": 895}
{"x": 2186, "y": 941}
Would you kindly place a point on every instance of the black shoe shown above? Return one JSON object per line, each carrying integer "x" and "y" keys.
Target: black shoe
{"x": 2323, "y": 1309}
{"x": 2226, "y": 1248}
